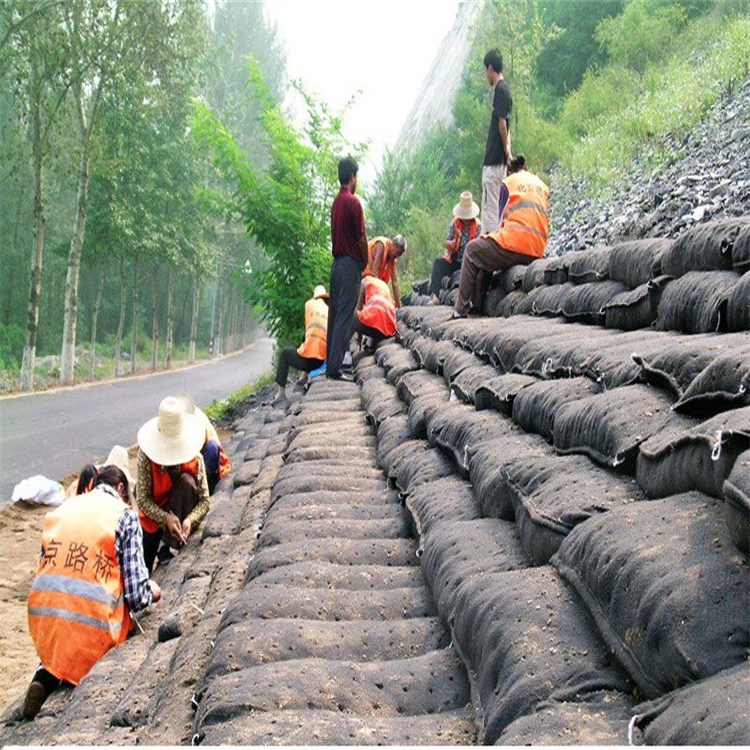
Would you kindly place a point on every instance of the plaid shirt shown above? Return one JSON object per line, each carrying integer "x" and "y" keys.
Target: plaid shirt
{"x": 129, "y": 548}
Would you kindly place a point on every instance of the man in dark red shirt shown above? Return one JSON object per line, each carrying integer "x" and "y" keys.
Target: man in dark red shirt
{"x": 349, "y": 242}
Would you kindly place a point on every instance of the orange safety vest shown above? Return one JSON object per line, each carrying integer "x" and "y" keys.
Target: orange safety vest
{"x": 388, "y": 264}
{"x": 458, "y": 228}
{"x": 525, "y": 224}
{"x": 378, "y": 312}
{"x": 316, "y": 330}
{"x": 161, "y": 486}
{"x": 76, "y": 608}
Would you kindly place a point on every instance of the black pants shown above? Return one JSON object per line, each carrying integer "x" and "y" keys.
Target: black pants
{"x": 289, "y": 357}
{"x": 440, "y": 269}
{"x": 359, "y": 327}
{"x": 182, "y": 501}
{"x": 346, "y": 274}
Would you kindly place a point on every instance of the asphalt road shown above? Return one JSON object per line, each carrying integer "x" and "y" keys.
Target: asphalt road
{"x": 55, "y": 433}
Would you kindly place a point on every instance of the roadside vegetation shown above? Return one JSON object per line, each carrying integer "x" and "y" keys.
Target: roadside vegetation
{"x": 222, "y": 412}
{"x": 595, "y": 83}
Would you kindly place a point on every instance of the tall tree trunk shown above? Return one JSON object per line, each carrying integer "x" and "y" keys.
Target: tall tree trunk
{"x": 170, "y": 321}
{"x": 194, "y": 318}
{"x": 11, "y": 279}
{"x": 121, "y": 324}
{"x": 95, "y": 320}
{"x": 218, "y": 338}
{"x": 134, "y": 331}
{"x": 154, "y": 321}
{"x": 70, "y": 317}
{"x": 37, "y": 250}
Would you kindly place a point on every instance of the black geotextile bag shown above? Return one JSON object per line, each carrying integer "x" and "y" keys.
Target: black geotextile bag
{"x": 526, "y": 305}
{"x": 613, "y": 365}
{"x": 460, "y": 429}
{"x": 556, "y": 271}
{"x": 391, "y": 433}
{"x": 553, "y": 494}
{"x": 666, "y": 586}
{"x": 529, "y": 638}
{"x": 535, "y": 407}
{"x": 456, "y": 361}
{"x": 610, "y": 426}
{"x": 693, "y": 455}
{"x": 510, "y": 279}
{"x": 421, "y": 287}
{"x": 417, "y": 383}
{"x": 467, "y": 381}
{"x": 433, "y": 503}
{"x": 420, "y": 412}
{"x": 724, "y": 384}
{"x": 635, "y": 309}
{"x": 586, "y": 303}
{"x": 534, "y": 275}
{"x": 413, "y": 463}
{"x": 435, "y": 355}
{"x": 599, "y": 718}
{"x": 737, "y": 502}
{"x": 705, "y": 247}
{"x": 398, "y": 363}
{"x": 710, "y": 712}
{"x": 488, "y": 474}
{"x": 418, "y": 300}
{"x": 503, "y": 344}
{"x": 380, "y": 401}
{"x": 591, "y": 265}
{"x": 638, "y": 261}
{"x": 509, "y": 304}
{"x": 456, "y": 550}
{"x": 369, "y": 371}
{"x": 683, "y": 358}
{"x": 741, "y": 250}
{"x": 550, "y": 300}
{"x": 500, "y": 391}
{"x": 491, "y": 301}
{"x": 738, "y": 307}
{"x": 696, "y": 302}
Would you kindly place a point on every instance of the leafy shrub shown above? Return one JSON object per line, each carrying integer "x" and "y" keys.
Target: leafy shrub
{"x": 12, "y": 339}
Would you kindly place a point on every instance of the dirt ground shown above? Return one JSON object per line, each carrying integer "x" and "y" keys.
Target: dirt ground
{"x": 20, "y": 536}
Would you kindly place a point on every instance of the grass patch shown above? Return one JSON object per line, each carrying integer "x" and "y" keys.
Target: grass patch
{"x": 224, "y": 410}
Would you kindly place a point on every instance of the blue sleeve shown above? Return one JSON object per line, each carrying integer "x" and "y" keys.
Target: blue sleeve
{"x": 503, "y": 202}
{"x": 129, "y": 547}
{"x": 451, "y": 232}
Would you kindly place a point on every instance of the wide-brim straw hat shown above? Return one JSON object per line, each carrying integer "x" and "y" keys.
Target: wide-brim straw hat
{"x": 466, "y": 208}
{"x": 189, "y": 405}
{"x": 119, "y": 457}
{"x": 320, "y": 292}
{"x": 174, "y": 437}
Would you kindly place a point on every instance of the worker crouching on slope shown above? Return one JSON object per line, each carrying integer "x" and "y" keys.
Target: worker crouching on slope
{"x": 215, "y": 458}
{"x": 521, "y": 238}
{"x": 91, "y": 576}
{"x": 382, "y": 261}
{"x": 312, "y": 353}
{"x": 173, "y": 496}
{"x": 376, "y": 311}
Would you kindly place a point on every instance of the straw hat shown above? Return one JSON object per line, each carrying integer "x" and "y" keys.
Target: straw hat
{"x": 174, "y": 437}
{"x": 118, "y": 457}
{"x": 188, "y": 404}
{"x": 466, "y": 208}
{"x": 320, "y": 292}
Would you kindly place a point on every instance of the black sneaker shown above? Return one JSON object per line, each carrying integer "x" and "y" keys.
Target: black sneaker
{"x": 35, "y": 697}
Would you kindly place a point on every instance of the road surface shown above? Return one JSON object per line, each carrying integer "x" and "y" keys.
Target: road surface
{"x": 55, "y": 433}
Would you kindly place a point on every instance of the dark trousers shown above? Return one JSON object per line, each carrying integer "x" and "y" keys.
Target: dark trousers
{"x": 210, "y": 453}
{"x": 440, "y": 269}
{"x": 290, "y": 357}
{"x": 182, "y": 501}
{"x": 482, "y": 257}
{"x": 346, "y": 274}
{"x": 359, "y": 327}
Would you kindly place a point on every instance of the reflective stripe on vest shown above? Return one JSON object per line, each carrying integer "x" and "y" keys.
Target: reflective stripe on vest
{"x": 316, "y": 330}
{"x": 387, "y": 264}
{"x": 76, "y": 607}
{"x": 525, "y": 224}
{"x": 378, "y": 312}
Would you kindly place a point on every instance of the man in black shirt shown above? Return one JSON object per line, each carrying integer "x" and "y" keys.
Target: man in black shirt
{"x": 497, "y": 154}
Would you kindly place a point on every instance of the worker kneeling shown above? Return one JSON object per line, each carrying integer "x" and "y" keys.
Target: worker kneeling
{"x": 375, "y": 317}
{"x": 312, "y": 353}
{"x": 91, "y": 576}
{"x": 521, "y": 238}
